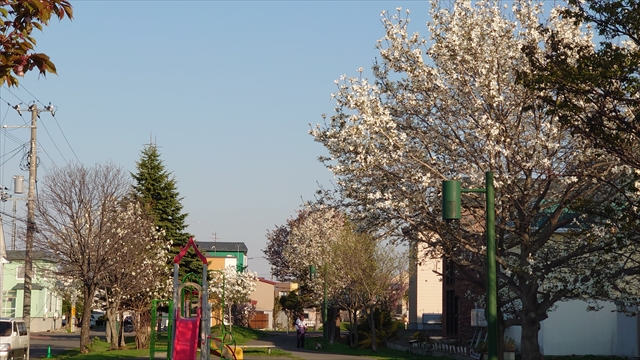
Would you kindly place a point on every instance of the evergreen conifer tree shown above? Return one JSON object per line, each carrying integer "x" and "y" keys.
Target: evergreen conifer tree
{"x": 157, "y": 189}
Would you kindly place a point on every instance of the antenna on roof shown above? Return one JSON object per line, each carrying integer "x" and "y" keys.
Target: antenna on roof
{"x": 215, "y": 241}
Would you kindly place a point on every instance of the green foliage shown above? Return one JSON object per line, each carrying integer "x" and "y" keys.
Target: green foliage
{"x": 482, "y": 347}
{"x": 292, "y": 303}
{"x": 509, "y": 344}
{"x": 157, "y": 189}
{"x": 421, "y": 336}
{"x": 596, "y": 93}
{"x": 386, "y": 329}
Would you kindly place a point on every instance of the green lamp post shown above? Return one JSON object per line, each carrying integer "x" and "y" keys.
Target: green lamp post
{"x": 451, "y": 190}
{"x": 325, "y": 322}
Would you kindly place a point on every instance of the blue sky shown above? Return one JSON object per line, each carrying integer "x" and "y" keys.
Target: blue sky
{"x": 226, "y": 89}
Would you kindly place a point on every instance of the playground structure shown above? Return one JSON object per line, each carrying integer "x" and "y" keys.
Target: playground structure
{"x": 189, "y": 321}
{"x": 184, "y": 338}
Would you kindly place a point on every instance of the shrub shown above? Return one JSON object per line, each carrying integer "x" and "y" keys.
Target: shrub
{"x": 386, "y": 329}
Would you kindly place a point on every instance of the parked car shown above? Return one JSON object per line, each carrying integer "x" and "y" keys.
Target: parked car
{"x": 14, "y": 339}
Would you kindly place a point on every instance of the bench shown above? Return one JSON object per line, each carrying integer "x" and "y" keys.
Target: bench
{"x": 268, "y": 347}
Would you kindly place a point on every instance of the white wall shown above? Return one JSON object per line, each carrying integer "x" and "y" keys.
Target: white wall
{"x": 572, "y": 330}
{"x": 425, "y": 290}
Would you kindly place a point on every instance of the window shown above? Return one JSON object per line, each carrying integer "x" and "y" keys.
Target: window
{"x": 22, "y": 328}
{"x": 20, "y": 272}
{"x": 450, "y": 271}
{"x": 5, "y": 328}
{"x": 9, "y": 303}
{"x": 49, "y": 301}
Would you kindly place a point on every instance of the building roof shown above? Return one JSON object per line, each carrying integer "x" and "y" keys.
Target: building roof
{"x": 267, "y": 281}
{"x": 17, "y": 255}
{"x": 222, "y": 246}
{"x": 20, "y": 286}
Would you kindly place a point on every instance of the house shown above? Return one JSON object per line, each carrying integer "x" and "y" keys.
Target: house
{"x": 425, "y": 286}
{"x": 46, "y": 304}
{"x": 281, "y": 289}
{"x": 460, "y": 320}
{"x": 223, "y": 254}
{"x": 284, "y": 288}
{"x": 262, "y": 298}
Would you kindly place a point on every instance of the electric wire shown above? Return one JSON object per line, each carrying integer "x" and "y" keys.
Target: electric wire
{"x": 59, "y": 127}
{"x": 44, "y": 126}
{"x": 14, "y": 138}
{"x": 36, "y": 100}
{"x": 33, "y": 96}
{"x": 7, "y": 156}
{"x": 65, "y": 138}
{"x": 14, "y": 155}
{"x": 18, "y": 218}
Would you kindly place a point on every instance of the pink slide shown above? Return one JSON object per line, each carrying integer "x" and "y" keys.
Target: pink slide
{"x": 185, "y": 342}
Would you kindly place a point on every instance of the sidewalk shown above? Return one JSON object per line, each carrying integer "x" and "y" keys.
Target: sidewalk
{"x": 287, "y": 342}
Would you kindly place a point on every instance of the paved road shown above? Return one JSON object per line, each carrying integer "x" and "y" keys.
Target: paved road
{"x": 62, "y": 341}
{"x": 58, "y": 342}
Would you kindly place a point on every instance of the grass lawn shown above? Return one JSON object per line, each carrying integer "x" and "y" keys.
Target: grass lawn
{"x": 100, "y": 350}
{"x": 241, "y": 334}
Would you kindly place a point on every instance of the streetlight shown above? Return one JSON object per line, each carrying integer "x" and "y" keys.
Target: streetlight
{"x": 325, "y": 322}
{"x": 451, "y": 190}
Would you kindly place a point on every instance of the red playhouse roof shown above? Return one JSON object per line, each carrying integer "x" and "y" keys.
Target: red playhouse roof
{"x": 184, "y": 250}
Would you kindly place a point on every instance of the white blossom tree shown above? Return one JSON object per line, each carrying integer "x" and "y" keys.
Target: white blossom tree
{"x": 140, "y": 278}
{"x": 234, "y": 285}
{"x": 308, "y": 240}
{"x": 450, "y": 106}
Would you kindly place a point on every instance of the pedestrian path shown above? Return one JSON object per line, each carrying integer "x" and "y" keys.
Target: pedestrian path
{"x": 287, "y": 342}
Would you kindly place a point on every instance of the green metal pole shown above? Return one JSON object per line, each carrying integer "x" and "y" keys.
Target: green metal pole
{"x": 154, "y": 330}
{"x": 492, "y": 287}
{"x": 325, "y": 326}
{"x": 170, "y": 334}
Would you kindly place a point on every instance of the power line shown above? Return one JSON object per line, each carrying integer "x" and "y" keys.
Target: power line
{"x": 65, "y": 137}
{"x": 59, "y": 127}
{"x": 52, "y": 110}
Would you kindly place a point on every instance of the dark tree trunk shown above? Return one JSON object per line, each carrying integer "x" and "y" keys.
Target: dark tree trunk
{"x": 121, "y": 343}
{"x": 142, "y": 323}
{"x": 331, "y": 324}
{"x": 89, "y": 290}
{"x": 529, "y": 340}
{"x": 107, "y": 330}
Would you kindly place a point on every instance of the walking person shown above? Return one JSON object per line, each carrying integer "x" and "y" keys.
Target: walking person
{"x": 301, "y": 329}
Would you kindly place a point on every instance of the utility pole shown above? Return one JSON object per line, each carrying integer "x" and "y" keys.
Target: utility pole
{"x": 31, "y": 219}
